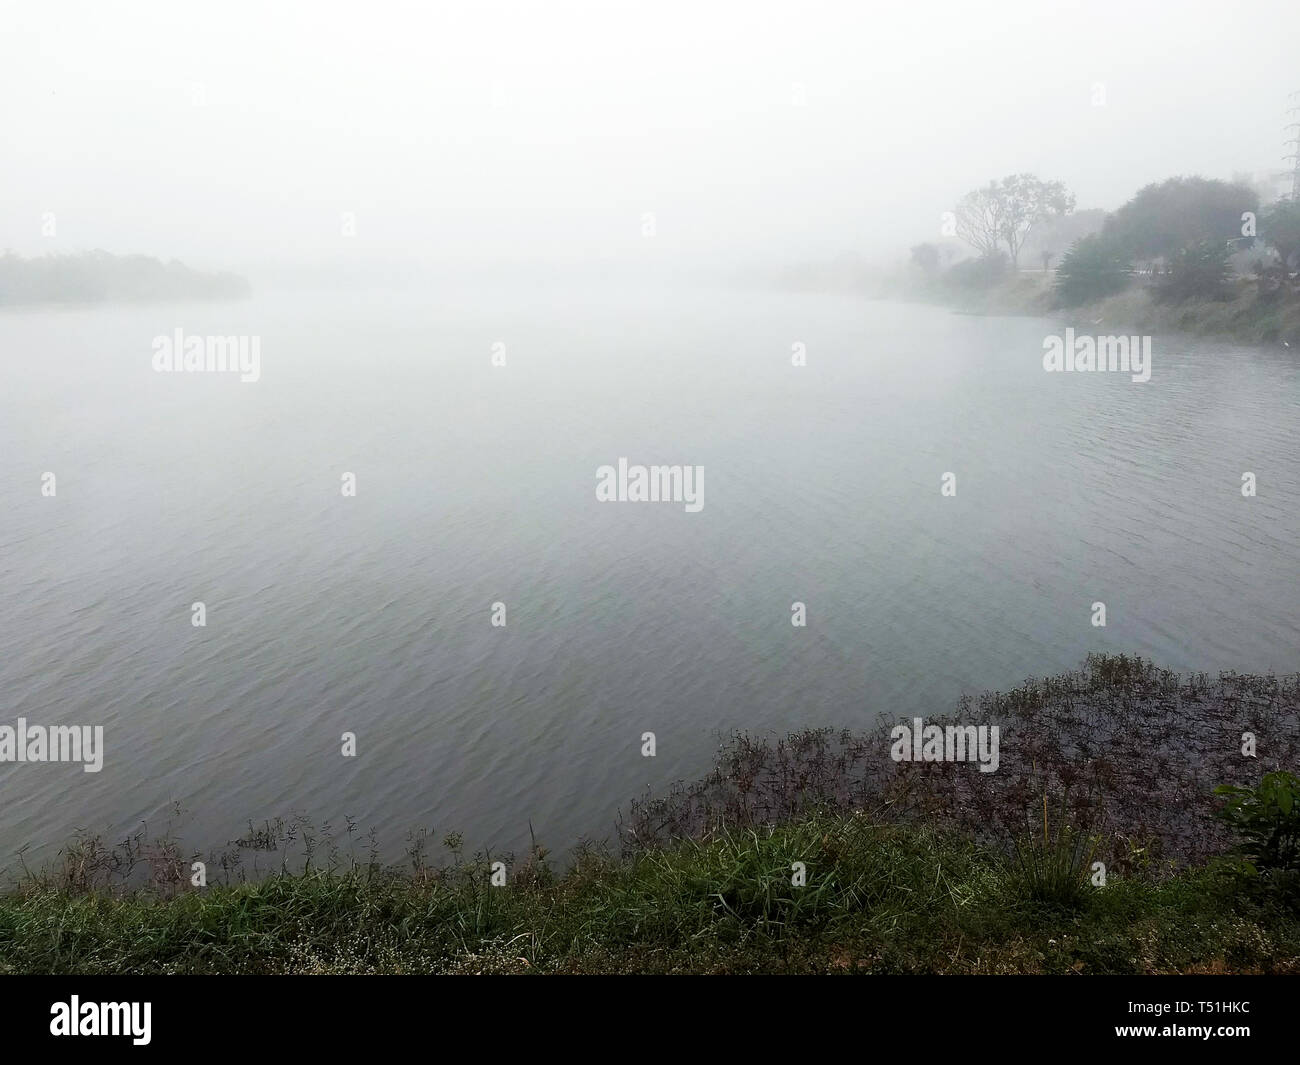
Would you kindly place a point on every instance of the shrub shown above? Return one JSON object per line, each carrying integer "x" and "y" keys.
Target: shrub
{"x": 1093, "y": 268}
{"x": 981, "y": 273}
{"x": 1279, "y": 225}
{"x": 1051, "y": 867}
{"x": 1267, "y": 818}
{"x": 1199, "y": 271}
{"x": 926, "y": 258}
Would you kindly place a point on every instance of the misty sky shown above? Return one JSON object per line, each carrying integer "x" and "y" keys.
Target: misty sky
{"x": 236, "y": 134}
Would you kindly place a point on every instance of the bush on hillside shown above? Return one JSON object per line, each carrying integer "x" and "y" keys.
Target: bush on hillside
{"x": 1092, "y": 269}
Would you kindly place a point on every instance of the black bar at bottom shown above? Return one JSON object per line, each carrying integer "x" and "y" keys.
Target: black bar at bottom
{"x": 219, "y": 1014}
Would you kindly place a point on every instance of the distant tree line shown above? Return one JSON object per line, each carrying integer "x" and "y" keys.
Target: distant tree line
{"x": 97, "y": 276}
{"x": 1181, "y": 236}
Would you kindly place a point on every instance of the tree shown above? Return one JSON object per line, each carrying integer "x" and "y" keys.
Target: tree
{"x": 1199, "y": 271}
{"x": 1057, "y": 234}
{"x": 1001, "y": 214}
{"x": 980, "y": 273}
{"x": 1092, "y": 269}
{"x": 1279, "y": 225}
{"x": 1165, "y": 218}
{"x": 926, "y": 257}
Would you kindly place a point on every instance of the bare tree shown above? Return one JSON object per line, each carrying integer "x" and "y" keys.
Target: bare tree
{"x": 980, "y": 219}
{"x": 1002, "y": 213}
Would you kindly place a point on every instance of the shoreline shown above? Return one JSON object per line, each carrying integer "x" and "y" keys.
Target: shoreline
{"x": 1244, "y": 317}
{"x": 816, "y": 852}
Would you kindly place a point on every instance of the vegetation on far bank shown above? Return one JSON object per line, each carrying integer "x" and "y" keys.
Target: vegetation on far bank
{"x": 1208, "y": 257}
{"x": 812, "y": 853}
{"x": 98, "y": 277}
{"x": 1241, "y": 315}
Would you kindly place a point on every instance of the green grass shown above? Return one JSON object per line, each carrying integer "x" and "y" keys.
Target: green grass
{"x": 878, "y": 898}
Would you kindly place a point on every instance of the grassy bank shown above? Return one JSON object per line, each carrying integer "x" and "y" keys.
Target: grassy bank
{"x": 879, "y": 898}
{"x": 817, "y": 852}
{"x": 1243, "y": 317}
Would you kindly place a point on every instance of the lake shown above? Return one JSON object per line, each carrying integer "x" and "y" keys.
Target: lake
{"x": 476, "y": 484}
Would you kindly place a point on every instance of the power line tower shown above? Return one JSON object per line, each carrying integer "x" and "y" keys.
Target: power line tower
{"x": 1293, "y": 142}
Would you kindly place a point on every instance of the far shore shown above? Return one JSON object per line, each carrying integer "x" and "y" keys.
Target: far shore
{"x": 1243, "y": 317}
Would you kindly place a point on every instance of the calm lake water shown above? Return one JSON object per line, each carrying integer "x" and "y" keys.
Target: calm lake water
{"x": 476, "y": 484}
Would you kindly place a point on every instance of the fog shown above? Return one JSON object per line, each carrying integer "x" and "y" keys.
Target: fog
{"x": 435, "y": 437}
{"x": 530, "y": 135}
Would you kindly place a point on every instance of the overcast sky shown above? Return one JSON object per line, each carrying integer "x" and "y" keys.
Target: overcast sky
{"x": 237, "y": 134}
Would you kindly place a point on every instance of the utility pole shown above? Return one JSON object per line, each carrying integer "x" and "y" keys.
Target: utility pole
{"x": 1293, "y": 142}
